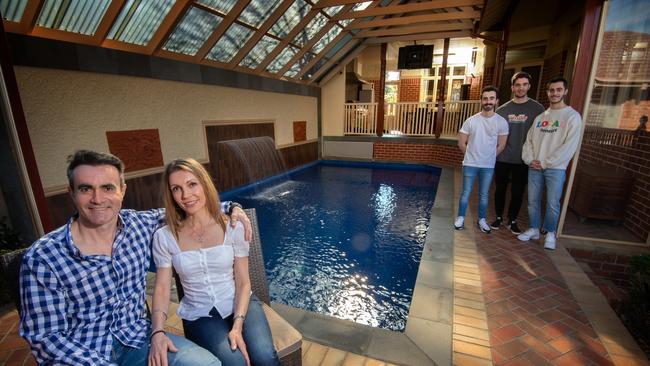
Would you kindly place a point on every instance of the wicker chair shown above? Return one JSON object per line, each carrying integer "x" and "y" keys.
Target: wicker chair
{"x": 287, "y": 340}
{"x": 10, "y": 271}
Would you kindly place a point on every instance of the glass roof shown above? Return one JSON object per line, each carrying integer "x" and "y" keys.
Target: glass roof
{"x": 333, "y": 10}
{"x": 290, "y": 18}
{"x": 340, "y": 44}
{"x": 282, "y": 58}
{"x": 258, "y": 11}
{"x": 326, "y": 39}
{"x": 12, "y": 10}
{"x": 310, "y": 30}
{"x": 222, "y": 6}
{"x": 139, "y": 20}
{"x": 230, "y": 43}
{"x": 192, "y": 31}
{"x": 259, "y": 52}
{"x": 314, "y": 68}
{"x": 76, "y": 16}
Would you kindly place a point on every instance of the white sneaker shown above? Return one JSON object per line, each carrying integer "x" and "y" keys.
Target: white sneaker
{"x": 549, "y": 241}
{"x": 459, "y": 224}
{"x": 531, "y": 233}
{"x": 483, "y": 225}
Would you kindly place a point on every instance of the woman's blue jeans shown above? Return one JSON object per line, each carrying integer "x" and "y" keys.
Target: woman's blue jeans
{"x": 211, "y": 333}
{"x": 484, "y": 180}
{"x": 553, "y": 179}
{"x": 188, "y": 354}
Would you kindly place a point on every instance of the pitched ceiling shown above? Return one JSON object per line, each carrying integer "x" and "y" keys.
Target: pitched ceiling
{"x": 296, "y": 40}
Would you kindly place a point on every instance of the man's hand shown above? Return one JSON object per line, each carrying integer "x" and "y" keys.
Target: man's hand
{"x": 160, "y": 344}
{"x": 239, "y": 215}
{"x": 536, "y": 164}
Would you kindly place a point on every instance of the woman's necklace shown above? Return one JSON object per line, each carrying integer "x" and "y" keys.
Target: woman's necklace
{"x": 200, "y": 236}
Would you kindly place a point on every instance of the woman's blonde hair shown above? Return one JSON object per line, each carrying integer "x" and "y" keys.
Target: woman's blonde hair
{"x": 174, "y": 214}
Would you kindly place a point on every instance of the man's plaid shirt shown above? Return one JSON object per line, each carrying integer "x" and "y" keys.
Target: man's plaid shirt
{"x": 73, "y": 305}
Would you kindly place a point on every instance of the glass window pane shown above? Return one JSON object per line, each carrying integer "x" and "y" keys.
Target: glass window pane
{"x": 259, "y": 52}
{"x": 281, "y": 59}
{"x": 340, "y": 44}
{"x": 326, "y": 39}
{"x": 459, "y": 70}
{"x": 314, "y": 69}
{"x": 12, "y": 10}
{"x": 609, "y": 197}
{"x": 192, "y": 32}
{"x": 258, "y": 11}
{"x": 77, "y": 16}
{"x": 333, "y": 10}
{"x": 138, "y": 21}
{"x": 230, "y": 43}
{"x": 222, "y": 6}
{"x": 290, "y": 18}
{"x": 313, "y": 27}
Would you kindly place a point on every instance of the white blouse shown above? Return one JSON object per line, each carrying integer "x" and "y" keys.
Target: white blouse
{"x": 206, "y": 274}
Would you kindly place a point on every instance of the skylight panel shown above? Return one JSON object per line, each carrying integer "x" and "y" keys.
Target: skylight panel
{"x": 290, "y": 18}
{"x": 340, "y": 44}
{"x": 192, "y": 32}
{"x": 139, "y": 20}
{"x": 361, "y": 6}
{"x": 314, "y": 26}
{"x": 230, "y": 43}
{"x": 12, "y": 10}
{"x": 222, "y": 6}
{"x": 282, "y": 58}
{"x": 258, "y": 11}
{"x": 262, "y": 49}
{"x": 333, "y": 10}
{"x": 326, "y": 39}
{"x": 314, "y": 69}
{"x": 76, "y": 16}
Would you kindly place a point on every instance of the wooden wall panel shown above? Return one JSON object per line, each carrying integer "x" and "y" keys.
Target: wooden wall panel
{"x": 138, "y": 149}
{"x": 297, "y": 155}
{"x": 299, "y": 131}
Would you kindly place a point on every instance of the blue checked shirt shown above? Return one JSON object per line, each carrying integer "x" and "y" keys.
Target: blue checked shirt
{"x": 73, "y": 305}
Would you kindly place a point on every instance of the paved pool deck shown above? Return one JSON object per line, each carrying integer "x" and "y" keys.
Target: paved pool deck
{"x": 479, "y": 299}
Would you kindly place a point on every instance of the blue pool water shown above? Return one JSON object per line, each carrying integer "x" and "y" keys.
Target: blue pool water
{"x": 344, "y": 239}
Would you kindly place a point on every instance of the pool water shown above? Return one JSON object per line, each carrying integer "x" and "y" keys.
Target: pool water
{"x": 345, "y": 239}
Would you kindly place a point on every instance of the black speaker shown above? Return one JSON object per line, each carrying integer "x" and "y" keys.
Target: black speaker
{"x": 415, "y": 57}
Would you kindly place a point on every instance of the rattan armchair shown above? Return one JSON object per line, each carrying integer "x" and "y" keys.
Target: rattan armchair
{"x": 287, "y": 340}
{"x": 10, "y": 271}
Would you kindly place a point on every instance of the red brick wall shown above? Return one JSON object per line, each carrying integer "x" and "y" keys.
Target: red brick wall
{"x": 475, "y": 88}
{"x": 631, "y": 111}
{"x": 375, "y": 85}
{"x": 635, "y": 158}
{"x": 488, "y": 75}
{"x": 409, "y": 90}
{"x": 608, "y": 271}
{"x": 620, "y": 61}
{"x": 553, "y": 67}
{"x": 438, "y": 154}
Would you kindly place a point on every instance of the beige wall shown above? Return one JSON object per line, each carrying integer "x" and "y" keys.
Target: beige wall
{"x": 70, "y": 110}
{"x": 332, "y": 101}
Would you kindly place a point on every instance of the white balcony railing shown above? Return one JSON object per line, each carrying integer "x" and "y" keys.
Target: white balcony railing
{"x": 412, "y": 119}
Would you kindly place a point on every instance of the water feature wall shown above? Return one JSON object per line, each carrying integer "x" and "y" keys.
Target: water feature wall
{"x": 247, "y": 160}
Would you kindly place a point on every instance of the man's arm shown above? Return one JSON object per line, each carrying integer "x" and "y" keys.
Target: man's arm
{"x": 462, "y": 142}
{"x": 565, "y": 152}
{"x": 236, "y": 213}
{"x": 43, "y": 319}
{"x": 501, "y": 143}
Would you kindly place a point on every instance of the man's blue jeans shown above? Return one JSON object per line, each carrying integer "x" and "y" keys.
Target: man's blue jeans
{"x": 189, "y": 354}
{"x": 553, "y": 179}
{"x": 212, "y": 334}
{"x": 484, "y": 181}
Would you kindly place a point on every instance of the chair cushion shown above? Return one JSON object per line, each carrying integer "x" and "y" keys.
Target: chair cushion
{"x": 286, "y": 338}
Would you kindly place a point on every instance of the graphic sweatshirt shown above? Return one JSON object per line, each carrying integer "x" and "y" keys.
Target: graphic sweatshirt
{"x": 553, "y": 138}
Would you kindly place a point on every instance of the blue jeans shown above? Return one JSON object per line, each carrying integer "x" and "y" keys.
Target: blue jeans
{"x": 553, "y": 179}
{"x": 484, "y": 181}
{"x": 189, "y": 354}
{"x": 211, "y": 333}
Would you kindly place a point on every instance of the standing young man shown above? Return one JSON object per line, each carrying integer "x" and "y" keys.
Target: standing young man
{"x": 482, "y": 137}
{"x": 550, "y": 145}
{"x": 520, "y": 113}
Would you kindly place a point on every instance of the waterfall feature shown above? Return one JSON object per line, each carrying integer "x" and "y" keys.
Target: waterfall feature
{"x": 251, "y": 159}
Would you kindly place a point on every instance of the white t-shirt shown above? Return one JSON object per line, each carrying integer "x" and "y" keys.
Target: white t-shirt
{"x": 482, "y": 141}
{"x": 206, "y": 274}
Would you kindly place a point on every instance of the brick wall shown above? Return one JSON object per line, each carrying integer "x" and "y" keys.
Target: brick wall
{"x": 608, "y": 271}
{"x": 375, "y": 85}
{"x": 553, "y": 67}
{"x": 631, "y": 111}
{"x": 488, "y": 75}
{"x": 409, "y": 90}
{"x": 633, "y": 157}
{"x": 475, "y": 88}
{"x": 438, "y": 154}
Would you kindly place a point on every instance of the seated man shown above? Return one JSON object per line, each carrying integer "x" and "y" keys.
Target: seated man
{"x": 83, "y": 284}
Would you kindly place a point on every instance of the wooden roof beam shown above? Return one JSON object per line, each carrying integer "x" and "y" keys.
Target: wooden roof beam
{"x": 428, "y": 28}
{"x": 341, "y": 64}
{"x": 419, "y": 37}
{"x": 327, "y": 3}
{"x": 107, "y": 20}
{"x": 28, "y": 20}
{"x": 226, "y": 22}
{"x": 167, "y": 25}
{"x": 407, "y": 8}
{"x": 467, "y": 13}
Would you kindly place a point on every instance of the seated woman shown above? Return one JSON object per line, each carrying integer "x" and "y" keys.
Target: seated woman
{"x": 211, "y": 257}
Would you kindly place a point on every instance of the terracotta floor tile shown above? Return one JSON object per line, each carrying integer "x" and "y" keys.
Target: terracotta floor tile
{"x": 540, "y": 347}
{"x": 507, "y": 333}
{"x": 534, "y": 331}
{"x": 556, "y": 330}
{"x": 551, "y": 316}
{"x": 571, "y": 359}
{"x": 512, "y": 349}
{"x": 580, "y": 327}
{"x": 565, "y": 344}
{"x": 595, "y": 357}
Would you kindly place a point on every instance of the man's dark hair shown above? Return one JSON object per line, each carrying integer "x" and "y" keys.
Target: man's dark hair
{"x": 522, "y": 75}
{"x": 558, "y": 80}
{"x": 490, "y": 88}
{"x": 93, "y": 158}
